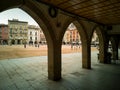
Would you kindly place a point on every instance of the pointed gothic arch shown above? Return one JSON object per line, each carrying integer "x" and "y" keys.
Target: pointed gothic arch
{"x": 102, "y": 49}
{"x": 86, "y": 63}
{"x": 36, "y": 13}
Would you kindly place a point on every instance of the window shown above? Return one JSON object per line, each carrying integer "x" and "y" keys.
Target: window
{"x": 20, "y": 27}
{"x": 40, "y": 31}
{"x": 35, "y": 38}
{"x": 10, "y": 30}
{"x": 20, "y": 32}
{"x": 6, "y": 30}
{"x": 30, "y": 33}
{"x": 31, "y": 38}
{"x": 35, "y": 33}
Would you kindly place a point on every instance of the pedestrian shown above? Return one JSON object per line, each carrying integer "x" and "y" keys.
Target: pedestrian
{"x": 71, "y": 45}
{"x": 38, "y": 45}
{"x": 24, "y": 45}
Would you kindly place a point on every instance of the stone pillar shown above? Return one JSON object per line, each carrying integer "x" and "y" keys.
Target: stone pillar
{"x": 103, "y": 55}
{"x": 86, "y": 55}
{"x": 54, "y": 61}
{"x": 103, "y": 50}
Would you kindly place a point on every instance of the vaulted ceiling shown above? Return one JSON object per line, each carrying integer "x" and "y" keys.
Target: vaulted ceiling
{"x": 101, "y": 11}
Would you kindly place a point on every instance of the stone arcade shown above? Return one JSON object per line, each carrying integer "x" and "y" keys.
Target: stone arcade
{"x": 55, "y": 19}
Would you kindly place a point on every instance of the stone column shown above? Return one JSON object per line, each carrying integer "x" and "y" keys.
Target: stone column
{"x": 86, "y": 55}
{"x": 54, "y": 61}
{"x": 103, "y": 55}
{"x": 103, "y": 50}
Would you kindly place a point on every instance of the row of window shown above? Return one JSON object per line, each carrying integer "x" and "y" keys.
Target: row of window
{"x": 11, "y": 31}
{"x": 20, "y": 27}
{"x": 5, "y": 30}
{"x": 31, "y": 33}
{"x": 32, "y": 38}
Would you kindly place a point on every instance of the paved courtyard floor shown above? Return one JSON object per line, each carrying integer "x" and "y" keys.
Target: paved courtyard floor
{"x": 31, "y": 74}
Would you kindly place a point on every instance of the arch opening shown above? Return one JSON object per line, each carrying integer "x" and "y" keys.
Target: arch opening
{"x": 97, "y": 41}
{"x": 72, "y": 40}
{"x": 95, "y": 48}
{"x": 27, "y": 43}
{"x": 71, "y": 50}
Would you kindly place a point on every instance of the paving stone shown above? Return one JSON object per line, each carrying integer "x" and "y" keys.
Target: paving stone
{"x": 31, "y": 74}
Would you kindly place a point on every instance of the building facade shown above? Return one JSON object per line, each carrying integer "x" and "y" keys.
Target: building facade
{"x": 18, "y": 31}
{"x": 66, "y": 38}
{"x": 42, "y": 37}
{"x": 71, "y": 35}
{"x": 4, "y": 34}
{"x": 95, "y": 39}
{"x": 33, "y": 34}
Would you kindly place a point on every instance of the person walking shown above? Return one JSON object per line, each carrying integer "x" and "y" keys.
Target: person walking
{"x": 38, "y": 45}
{"x": 25, "y": 45}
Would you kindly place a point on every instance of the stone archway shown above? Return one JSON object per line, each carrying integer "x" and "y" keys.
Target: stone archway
{"x": 33, "y": 10}
{"x": 102, "y": 44}
{"x": 86, "y": 62}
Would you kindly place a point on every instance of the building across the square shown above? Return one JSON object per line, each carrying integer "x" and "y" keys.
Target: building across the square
{"x": 42, "y": 37}
{"x": 33, "y": 34}
{"x": 4, "y": 34}
{"x": 71, "y": 35}
{"x": 18, "y": 31}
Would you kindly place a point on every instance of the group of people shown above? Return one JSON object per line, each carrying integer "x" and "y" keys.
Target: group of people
{"x": 31, "y": 43}
{"x": 75, "y": 45}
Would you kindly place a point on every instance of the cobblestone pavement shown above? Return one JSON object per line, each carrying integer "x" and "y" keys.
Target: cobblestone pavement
{"x": 31, "y": 74}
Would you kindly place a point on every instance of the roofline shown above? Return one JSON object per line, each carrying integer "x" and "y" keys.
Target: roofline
{"x": 17, "y": 21}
